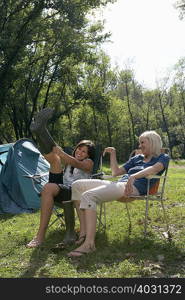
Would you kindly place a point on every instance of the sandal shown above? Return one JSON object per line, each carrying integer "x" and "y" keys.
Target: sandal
{"x": 81, "y": 253}
{"x": 80, "y": 240}
{"x": 34, "y": 244}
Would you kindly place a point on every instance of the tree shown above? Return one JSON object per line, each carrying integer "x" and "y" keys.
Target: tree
{"x": 38, "y": 41}
{"x": 177, "y": 96}
{"x": 180, "y": 5}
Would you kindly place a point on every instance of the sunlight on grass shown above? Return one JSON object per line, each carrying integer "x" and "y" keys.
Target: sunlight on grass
{"x": 117, "y": 255}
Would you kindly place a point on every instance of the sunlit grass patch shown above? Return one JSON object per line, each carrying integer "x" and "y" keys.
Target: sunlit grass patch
{"x": 118, "y": 254}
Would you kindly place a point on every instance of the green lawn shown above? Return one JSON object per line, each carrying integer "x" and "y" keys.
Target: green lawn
{"x": 116, "y": 255}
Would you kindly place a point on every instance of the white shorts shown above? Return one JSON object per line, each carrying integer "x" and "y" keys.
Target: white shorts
{"x": 95, "y": 191}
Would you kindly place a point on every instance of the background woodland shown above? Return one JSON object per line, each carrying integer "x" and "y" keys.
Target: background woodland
{"x": 51, "y": 56}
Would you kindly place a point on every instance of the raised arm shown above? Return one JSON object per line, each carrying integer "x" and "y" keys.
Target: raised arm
{"x": 116, "y": 170}
{"x": 86, "y": 164}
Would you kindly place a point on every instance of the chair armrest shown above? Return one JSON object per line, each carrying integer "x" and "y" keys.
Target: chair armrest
{"x": 97, "y": 175}
{"x": 156, "y": 176}
{"x": 35, "y": 176}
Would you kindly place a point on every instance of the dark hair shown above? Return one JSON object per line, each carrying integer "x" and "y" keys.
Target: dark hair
{"x": 90, "y": 145}
{"x": 91, "y": 149}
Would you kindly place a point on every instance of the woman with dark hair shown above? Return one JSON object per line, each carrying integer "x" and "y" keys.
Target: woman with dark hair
{"x": 79, "y": 165}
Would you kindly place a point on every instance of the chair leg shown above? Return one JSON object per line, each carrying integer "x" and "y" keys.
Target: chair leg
{"x": 166, "y": 222}
{"x": 69, "y": 215}
{"x": 59, "y": 217}
{"x": 102, "y": 217}
{"x": 129, "y": 219}
{"x": 146, "y": 216}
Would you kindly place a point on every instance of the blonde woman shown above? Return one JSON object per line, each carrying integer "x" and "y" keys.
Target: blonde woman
{"x": 87, "y": 193}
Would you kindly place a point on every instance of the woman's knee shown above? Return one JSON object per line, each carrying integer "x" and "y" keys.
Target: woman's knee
{"x": 90, "y": 194}
{"x": 77, "y": 185}
{"x": 50, "y": 189}
{"x": 89, "y": 200}
{"x": 82, "y": 185}
{"x": 77, "y": 190}
{"x": 76, "y": 203}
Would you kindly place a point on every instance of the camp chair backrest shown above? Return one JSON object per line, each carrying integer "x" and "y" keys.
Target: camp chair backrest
{"x": 68, "y": 150}
{"x": 153, "y": 190}
{"x": 135, "y": 152}
{"x": 138, "y": 151}
{"x": 97, "y": 159}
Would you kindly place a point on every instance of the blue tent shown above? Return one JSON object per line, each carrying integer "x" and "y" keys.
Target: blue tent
{"x": 3, "y": 153}
{"x": 21, "y": 167}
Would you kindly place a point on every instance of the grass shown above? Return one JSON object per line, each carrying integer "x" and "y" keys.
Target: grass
{"x": 117, "y": 255}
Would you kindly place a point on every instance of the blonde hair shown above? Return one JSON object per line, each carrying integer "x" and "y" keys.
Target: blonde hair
{"x": 154, "y": 140}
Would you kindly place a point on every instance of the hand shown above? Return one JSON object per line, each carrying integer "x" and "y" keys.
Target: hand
{"x": 109, "y": 150}
{"x": 129, "y": 186}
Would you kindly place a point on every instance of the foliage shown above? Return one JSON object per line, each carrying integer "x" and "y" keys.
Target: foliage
{"x": 42, "y": 42}
{"x": 50, "y": 56}
{"x": 180, "y": 5}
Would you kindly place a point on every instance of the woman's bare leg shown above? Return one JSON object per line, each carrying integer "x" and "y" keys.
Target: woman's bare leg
{"x": 47, "y": 147}
{"x": 105, "y": 191}
{"x": 90, "y": 220}
{"x": 89, "y": 243}
{"x": 50, "y": 190}
{"x": 81, "y": 216}
{"x": 69, "y": 215}
{"x": 55, "y": 162}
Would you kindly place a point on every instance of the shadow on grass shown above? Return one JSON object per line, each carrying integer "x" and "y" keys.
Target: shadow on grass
{"x": 40, "y": 255}
{"x": 138, "y": 251}
{"x": 108, "y": 256}
{"x": 4, "y": 217}
{"x": 37, "y": 264}
{"x": 7, "y": 216}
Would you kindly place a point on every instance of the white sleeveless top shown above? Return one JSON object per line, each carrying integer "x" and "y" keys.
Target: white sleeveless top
{"x": 69, "y": 178}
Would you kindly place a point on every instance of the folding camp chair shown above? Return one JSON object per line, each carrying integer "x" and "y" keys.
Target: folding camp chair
{"x": 155, "y": 193}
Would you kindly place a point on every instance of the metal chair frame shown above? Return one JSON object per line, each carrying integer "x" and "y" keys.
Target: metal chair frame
{"x": 157, "y": 195}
